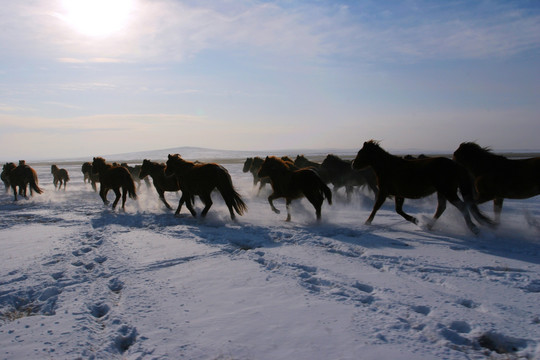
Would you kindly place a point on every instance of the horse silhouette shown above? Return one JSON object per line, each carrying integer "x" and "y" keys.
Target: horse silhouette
{"x": 113, "y": 178}
{"x": 415, "y": 179}
{"x": 60, "y": 176}
{"x": 496, "y": 177}
{"x": 292, "y": 183}
{"x": 200, "y": 179}
{"x": 161, "y": 181}
{"x": 22, "y": 176}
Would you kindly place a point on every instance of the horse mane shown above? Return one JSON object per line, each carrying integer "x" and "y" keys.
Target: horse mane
{"x": 154, "y": 164}
{"x": 282, "y": 162}
{"x": 471, "y": 148}
{"x": 376, "y": 145}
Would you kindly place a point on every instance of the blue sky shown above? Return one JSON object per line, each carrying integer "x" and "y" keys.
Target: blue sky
{"x": 134, "y": 75}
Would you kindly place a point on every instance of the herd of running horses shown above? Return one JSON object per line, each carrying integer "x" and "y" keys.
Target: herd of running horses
{"x": 474, "y": 172}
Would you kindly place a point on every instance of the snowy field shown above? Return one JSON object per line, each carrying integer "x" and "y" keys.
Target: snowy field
{"x": 79, "y": 280}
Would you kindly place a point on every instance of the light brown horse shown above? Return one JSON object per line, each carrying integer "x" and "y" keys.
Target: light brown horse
{"x": 291, "y": 183}
{"x": 60, "y": 176}
{"x": 497, "y": 177}
{"x": 113, "y": 178}
{"x": 161, "y": 181}
{"x": 415, "y": 179}
{"x": 200, "y": 179}
{"x": 22, "y": 176}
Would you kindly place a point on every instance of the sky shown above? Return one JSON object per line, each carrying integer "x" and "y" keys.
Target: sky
{"x": 95, "y": 77}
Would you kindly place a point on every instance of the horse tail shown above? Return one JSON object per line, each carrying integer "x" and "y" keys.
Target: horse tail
{"x": 229, "y": 194}
{"x": 34, "y": 185}
{"x": 326, "y": 190}
{"x": 468, "y": 191}
{"x": 130, "y": 186}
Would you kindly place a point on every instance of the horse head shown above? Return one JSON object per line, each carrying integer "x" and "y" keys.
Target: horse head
{"x": 247, "y": 164}
{"x": 145, "y": 168}
{"x": 98, "y": 164}
{"x": 366, "y": 154}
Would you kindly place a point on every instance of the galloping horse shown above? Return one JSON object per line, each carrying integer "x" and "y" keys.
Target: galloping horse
{"x": 89, "y": 175}
{"x": 22, "y": 176}
{"x": 113, "y": 178}
{"x": 416, "y": 179}
{"x": 59, "y": 176}
{"x": 161, "y": 181}
{"x": 200, "y": 179}
{"x": 292, "y": 183}
{"x": 340, "y": 173}
{"x": 497, "y": 177}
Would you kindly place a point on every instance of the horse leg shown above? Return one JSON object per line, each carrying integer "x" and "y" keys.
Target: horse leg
{"x": 14, "y": 187}
{"x": 399, "y": 200}
{"x": 441, "y": 206}
{"x": 180, "y": 203}
{"x": 288, "y": 206}
{"x": 316, "y": 200}
{"x": 381, "y": 197}
{"x": 463, "y": 208}
{"x": 271, "y": 199}
{"x": 189, "y": 205}
{"x": 497, "y": 208}
{"x": 162, "y": 198}
{"x": 124, "y": 196}
{"x": 207, "y": 200}
{"x": 231, "y": 208}
{"x": 103, "y": 194}
{"x": 117, "y": 198}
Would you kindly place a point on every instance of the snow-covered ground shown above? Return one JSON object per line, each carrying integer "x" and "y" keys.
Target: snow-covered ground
{"x": 79, "y": 280}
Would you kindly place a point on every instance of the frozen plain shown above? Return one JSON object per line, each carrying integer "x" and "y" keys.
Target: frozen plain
{"x": 79, "y": 280}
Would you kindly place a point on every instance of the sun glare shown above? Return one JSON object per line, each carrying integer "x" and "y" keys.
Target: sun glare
{"x": 97, "y": 17}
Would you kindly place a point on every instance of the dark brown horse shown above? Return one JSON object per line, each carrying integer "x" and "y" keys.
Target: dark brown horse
{"x": 339, "y": 173}
{"x": 161, "y": 181}
{"x": 89, "y": 176}
{"x": 200, "y": 179}
{"x": 291, "y": 183}
{"x": 22, "y": 176}
{"x": 416, "y": 179}
{"x": 113, "y": 178}
{"x": 497, "y": 177}
{"x": 60, "y": 176}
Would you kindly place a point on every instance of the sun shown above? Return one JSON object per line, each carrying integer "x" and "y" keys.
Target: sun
{"x": 97, "y": 18}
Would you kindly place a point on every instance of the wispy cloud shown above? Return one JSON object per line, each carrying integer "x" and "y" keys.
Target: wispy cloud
{"x": 171, "y": 31}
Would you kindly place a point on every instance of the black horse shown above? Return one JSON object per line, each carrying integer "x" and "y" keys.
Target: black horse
{"x": 416, "y": 179}
{"x": 497, "y": 177}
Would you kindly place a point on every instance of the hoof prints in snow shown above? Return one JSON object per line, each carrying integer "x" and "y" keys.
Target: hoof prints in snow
{"x": 99, "y": 310}
{"x": 319, "y": 282}
{"x": 125, "y": 338}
